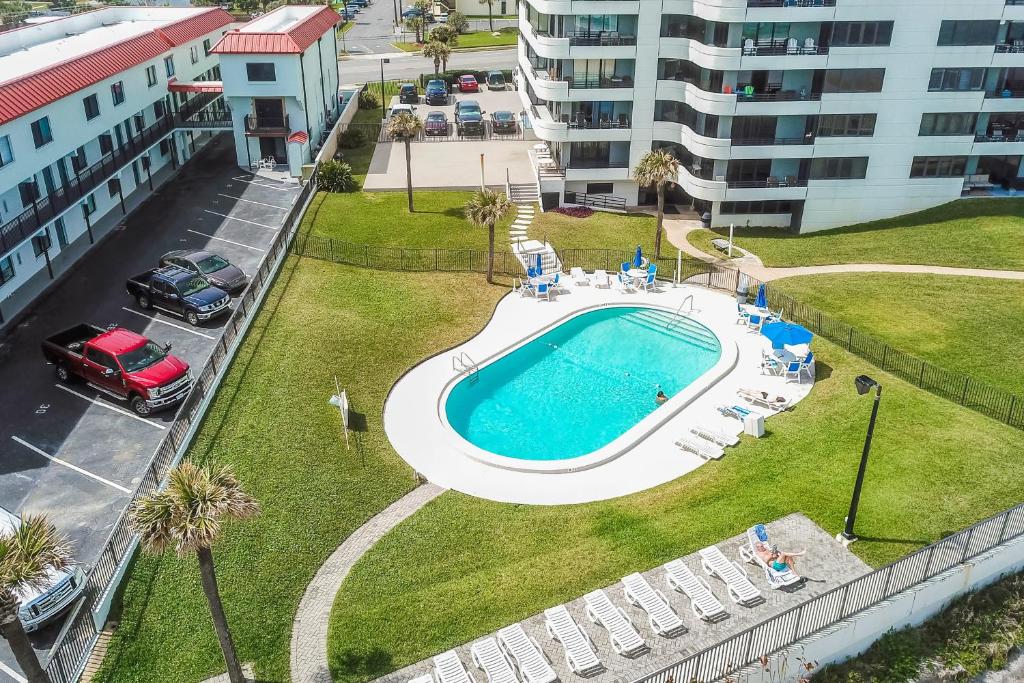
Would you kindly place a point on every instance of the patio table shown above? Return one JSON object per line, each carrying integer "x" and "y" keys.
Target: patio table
{"x": 637, "y": 274}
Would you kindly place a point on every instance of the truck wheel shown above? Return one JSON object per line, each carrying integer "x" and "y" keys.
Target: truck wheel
{"x": 143, "y": 300}
{"x": 192, "y": 318}
{"x": 63, "y": 374}
{"x": 139, "y": 407}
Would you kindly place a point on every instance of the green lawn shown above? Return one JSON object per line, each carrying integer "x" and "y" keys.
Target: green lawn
{"x": 601, "y": 230}
{"x": 970, "y": 233}
{"x": 463, "y": 566}
{"x": 702, "y": 240}
{"x": 472, "y": 41}
{"x": 271, "y": 421}
{"x": 962, "y": 323}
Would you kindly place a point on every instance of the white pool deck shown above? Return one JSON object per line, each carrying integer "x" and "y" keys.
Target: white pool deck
{"x": 413, "y": 411}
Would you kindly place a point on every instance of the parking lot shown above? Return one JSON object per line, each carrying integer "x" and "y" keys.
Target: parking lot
{"x": 69, "y": 452}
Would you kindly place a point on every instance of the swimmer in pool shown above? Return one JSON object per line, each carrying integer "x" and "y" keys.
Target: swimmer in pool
{"x": 661, "y": 397}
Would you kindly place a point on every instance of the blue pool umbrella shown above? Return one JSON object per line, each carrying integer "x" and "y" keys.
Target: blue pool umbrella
{"x": 540, "y": 268}
{"x": 786, "y": 334}
{"x": 638, "y": 258}
{"x": 762, "y": 297}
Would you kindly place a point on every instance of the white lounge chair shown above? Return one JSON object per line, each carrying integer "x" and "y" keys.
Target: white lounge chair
{"x": 765, "y": 400}
{"x": 664, "y": 620}
{"x": 600, "y": 279}
{"x": 702, "y": 448}
{"x": 702, "y": 601}
{"x": 720, "y": 438}
{"x": 489, "y": 657}
{"x": 741, "y": 591}
{"x": 579, "y": 278}
{"x": 580, "y": 653}
{"x": 449, "y": 669}
{"x": 776, "y": 578}
{"x": 626, "y": 640}
{"x": 530, "y": 661}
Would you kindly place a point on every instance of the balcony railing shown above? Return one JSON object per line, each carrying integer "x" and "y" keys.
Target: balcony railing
{"x": 597, "y": 163}
{"x": 600, "y": 82}
{"x": 777, "y": 96}
{"x": 1005, "y": 92}
{"x": 770, "y": 182}
{"x": 1009, "y": 136}
{"x": 754, "y": 142}
{"x": 783, "y": 49}
{"x": 600, "y": 38}
{"x": 580, "y": 123}
{"x": 597, "y": 201}
{"x": 266, "y": 124}
{"x": 795, "y": 3}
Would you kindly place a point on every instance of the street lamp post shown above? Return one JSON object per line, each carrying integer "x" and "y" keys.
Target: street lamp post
{"x": 383, "y": 112}
{"x": 864, "y": 384}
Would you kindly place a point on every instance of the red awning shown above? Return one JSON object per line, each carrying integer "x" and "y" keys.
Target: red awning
{"x": 299, "y": 136}
{"x": 174, "y": 85}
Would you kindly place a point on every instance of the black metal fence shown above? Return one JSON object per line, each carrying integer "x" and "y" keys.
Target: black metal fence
{"x": 71, "y": 651}
{"x": 842, "y": 602}
{"x": 610, "y": 202}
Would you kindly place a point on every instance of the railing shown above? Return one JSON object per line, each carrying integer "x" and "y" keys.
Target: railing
{"x": 779, "y": 96}
{"x": 590, "y": 124}
{"x": 791, "y": 3}
{"x": 1008, "y": 137}
{"x": 1005, "y": 92}
{"x": 842, "y": 602}
{"x": 783, "y": 50}
{"x": 70, "y": 653}
{"x": 276, "y": 124}
{"x": 1009, "y": 47}
{"x": 768, "y": 183}
{"x": 597, "y": 163}
{"x": 609, "y": 202}
{"x": 485, "y": 130}
{"x": 599, "y": 38}
{"x": 204, "y": 119}
{"x": 600, "y": 82}
{"x": 750, "y": 142}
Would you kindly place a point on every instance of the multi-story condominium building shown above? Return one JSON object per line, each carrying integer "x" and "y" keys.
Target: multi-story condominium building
{"x": 807, "y": 114}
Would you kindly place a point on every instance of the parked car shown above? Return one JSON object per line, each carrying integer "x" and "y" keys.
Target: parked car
{"x": 120, "y": 363}
{"x": 352, "y": 10}
{"x": 496, "y": 80}
{"x": 436, "y": 92}
{"x": 408, "y": 94}
{"x": 358, "y": 3}
{"x": 60, "y": 589}
{"x": 467, "y": 83}
{"x": 436, "y": 123}
{"x": 469, "y": 118}
{"x": 411, "y": 12}
{"x": 399, "y": 108}
{"x": 503, "y": 122}
{"x": 180, "y": 292}
{"x": 217, "y": 269}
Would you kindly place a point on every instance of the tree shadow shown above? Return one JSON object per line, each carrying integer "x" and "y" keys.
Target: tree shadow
{"x": 822, "y": 370}
{"x": 369, "y": 664}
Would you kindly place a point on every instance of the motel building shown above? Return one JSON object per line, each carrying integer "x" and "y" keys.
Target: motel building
{"x": 100, "y": 108}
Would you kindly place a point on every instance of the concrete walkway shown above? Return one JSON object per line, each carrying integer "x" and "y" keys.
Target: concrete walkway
{"x": 309, "y": 630}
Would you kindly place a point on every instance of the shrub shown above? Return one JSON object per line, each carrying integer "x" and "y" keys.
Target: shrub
{"x": 458, "y": 21}
{"x": 574, "y": 211}
{"x": 367, "y": 100}
{"x": 350, "y": 138}
{"x": 336, "y": 176}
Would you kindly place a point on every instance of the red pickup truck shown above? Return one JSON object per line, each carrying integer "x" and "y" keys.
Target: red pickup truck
{"x": 120, "y": 363}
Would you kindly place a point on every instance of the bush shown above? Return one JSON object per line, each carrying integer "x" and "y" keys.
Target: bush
{"x": 350, "y": 138}
{"x": 458, "y": 21}
{"x": 336, "y": 176}
{"x": 367, "y": 100}
{"x": 574, "y": 211}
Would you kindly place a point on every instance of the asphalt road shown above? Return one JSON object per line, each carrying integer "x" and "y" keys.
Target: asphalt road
{"x": 365, "y": 68}
{"x": 68, "y": 452}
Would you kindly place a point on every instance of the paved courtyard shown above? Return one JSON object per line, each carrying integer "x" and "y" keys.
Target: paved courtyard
{"x": 826, "y": 565}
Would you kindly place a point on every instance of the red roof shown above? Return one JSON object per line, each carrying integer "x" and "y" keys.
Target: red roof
{"x": 299, "y": 136}
{"x": 293, "y": 41}
{"x": 174, "y": 85}
{"x": 25, "y": 94}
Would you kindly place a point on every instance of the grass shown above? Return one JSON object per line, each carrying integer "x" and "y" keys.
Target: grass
{"x": 970, "y": 233}
{"x": 431, "y": 584}
{"x": 702, "y": 240}
{"x": 272, "y": 422}
{"x": 601, "y": 230}
{"x": 472, "y": 41}
{"x": 961, "y": 323}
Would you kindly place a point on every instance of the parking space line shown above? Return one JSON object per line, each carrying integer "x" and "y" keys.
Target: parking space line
{"x": 57, "y": 460}
{"x": 221, "y": 239}
{"x": 158, "y": 320}
{"x": 12, "y": 673}
{"x": 242, "y": 220}
{"x": 126, "y": 413}
{"x": 241, "y": 199}
{"x": 243, "y": 179}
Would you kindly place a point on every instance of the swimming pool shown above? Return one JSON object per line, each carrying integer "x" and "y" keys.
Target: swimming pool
{"x": 579, "y": 386}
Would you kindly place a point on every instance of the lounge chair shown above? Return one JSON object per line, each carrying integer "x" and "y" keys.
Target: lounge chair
{"x": 715, "y": 436}
{"x": 489, "y": 657}
{"x": 706, "y": 450}
{"x": 579, "y": 278}
{"x": 580, "y": 653}
{"x": 526, "y": 655}
{"x": 702, "y": 601}
{"x": 765, "y": 400}
{"x": 757, "y": 534}
{"x": 663, "y": 619}
{"x": 601, "y": 279}
{"x": 626, "y": 640}
{"x": 741, "y": 591}
{"x": 449, "y": 669}
{"x": 738, "y": 412}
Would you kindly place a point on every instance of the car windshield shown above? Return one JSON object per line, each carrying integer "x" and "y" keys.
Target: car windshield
{"x": 503, "y": 115}
{"x": 435, "y": 117}
{"x": 432, "y": 85}
{"x": 408, "y": 88}
{"x": 212, "y": 264}
{"x": 142, "y": 357}
{"x": 469, "y": 109}
{"x": 192, "y": 285}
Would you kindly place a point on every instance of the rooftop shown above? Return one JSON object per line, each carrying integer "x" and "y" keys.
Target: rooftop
{"x": 290, "y": 29}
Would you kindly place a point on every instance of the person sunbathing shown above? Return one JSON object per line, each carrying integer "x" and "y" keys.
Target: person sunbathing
{"x": 775, "y": 558}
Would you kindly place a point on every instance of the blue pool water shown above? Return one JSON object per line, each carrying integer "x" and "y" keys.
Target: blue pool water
{"x": 580, "y": 385}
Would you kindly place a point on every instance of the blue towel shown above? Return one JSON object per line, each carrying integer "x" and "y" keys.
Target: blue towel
{"x": 761, "y": 532}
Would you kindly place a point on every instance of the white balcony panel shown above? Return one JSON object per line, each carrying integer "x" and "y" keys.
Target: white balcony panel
{"x": 708, "y": 190}
{"x": 596, "y": 174}
{"x": 772, "y": 152}
{"x": 720, "y": 104}
{"x": 712, "y": 10}
{"x": 756, "y": 194}
{"x": 706, "y": 56}
{"x": 998, "y": 148}
{"x": 705, "y": 147}
{"x": 753, "y": 107}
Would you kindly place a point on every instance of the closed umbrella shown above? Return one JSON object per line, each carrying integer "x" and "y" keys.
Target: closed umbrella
{"x": 786, "y": 334}
{"x": 762, "y": 297}
{"x": 540, "y": 269}
{"x": 638, "y": 258}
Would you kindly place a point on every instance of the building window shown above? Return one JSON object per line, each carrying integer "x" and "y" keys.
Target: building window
{"x": 89, "y": 205}
{"x": 861, "y": 33}
{"x": 739, "y": 208}
{"x": 839, "y": 168}
{"x": 62, "y": 232}
{"x": 938, "y": 167}
{"x": 41, "y": 242}
{"x": 165, "y": 147}
{"x": 854, "y": 80}
{"x": 6, "y": 154}
{"x": 41, "y": 133}
{"x": 78, "y": 160}
{"x": 117, "y": 92}
{"x": 145, "y": 162}
{"x": 846, "y": 125}
{"x": 206, "y": 47}
{"x": 961, "y": 80}
{"x": 92, "y": 107}
{"x": 169, "y": 65}
{"x": 29, "y": 191}
{"x": 600, "y": 188}
{"x": 968, "y": 32}
{"x": 140, "y": 123}
{"x": 6, "y": 270}
{"x": 953, "y": 123}
{"x": 113, "y": 186}
{"x": 151, "y": 75}
{"x": 158, "y": 109}
{"x": 260, "y": 71}
{"x": 106, "y": 144}
{"x": 193, "y": 53}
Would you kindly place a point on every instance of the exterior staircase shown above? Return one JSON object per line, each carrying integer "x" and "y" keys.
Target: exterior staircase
{"x": 525, "y": 198}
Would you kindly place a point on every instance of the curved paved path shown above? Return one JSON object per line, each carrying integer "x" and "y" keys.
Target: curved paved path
{"x": 309, "y": 630}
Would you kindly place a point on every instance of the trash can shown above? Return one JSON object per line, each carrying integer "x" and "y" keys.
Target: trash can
{"x": 742, "y": 291}
{"x": 705, "y": 219}
{"x": 753, "y": 424}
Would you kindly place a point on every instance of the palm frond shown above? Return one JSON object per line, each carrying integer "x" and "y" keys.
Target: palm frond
{"x": 29, "y": 553}
{"x": 404, "y": 125}
{"x": 487, "y": 207}
{"x": 655, "y": 168}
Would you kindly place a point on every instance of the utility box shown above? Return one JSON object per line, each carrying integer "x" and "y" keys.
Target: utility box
{"x": 753, "y": 424}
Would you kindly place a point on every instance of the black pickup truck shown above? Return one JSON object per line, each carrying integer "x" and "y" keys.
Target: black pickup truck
{"x": 179, "y": 292}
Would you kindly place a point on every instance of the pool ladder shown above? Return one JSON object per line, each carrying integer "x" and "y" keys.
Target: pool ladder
{"x": 463, "y": 364}
{"x": 678, "y": 315}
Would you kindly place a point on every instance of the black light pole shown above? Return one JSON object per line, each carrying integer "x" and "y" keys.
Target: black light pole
{"x": 864, "y": 385}
{"x": 383, "y": 61}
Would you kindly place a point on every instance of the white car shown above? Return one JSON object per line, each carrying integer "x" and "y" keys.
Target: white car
{"x": 399, "y": 108}
{"x": 40, "y": 606}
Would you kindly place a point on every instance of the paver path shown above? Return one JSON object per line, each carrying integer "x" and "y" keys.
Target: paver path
{"x": 309, "y": 630}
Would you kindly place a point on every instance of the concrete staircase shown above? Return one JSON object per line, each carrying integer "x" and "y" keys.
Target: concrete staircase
{"x": 526, "y": 250}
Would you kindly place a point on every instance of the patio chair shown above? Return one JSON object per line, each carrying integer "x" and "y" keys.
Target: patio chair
{"x": 525, "y": 288}
{"x": 706, "y": 450}
{"x": 749, "y": 49}
{"x": 738, "y": 412}
{"x": 648, "y": 283}
{"x": 755, "y": 321}
{"x": 531, "y": 272}
{"x": 663, "y": 619}
{"x": 529, "y": 660}
{"x": 488, "y": 657}
{"x": 757, "y": 536}
{"x": 771, "y": 364}
{"x": 625, "y": 267}
{"x": 796, "y": 368}
{"x": 741, "y": 591}
{"x": 625, "y": 639}
{"x": 623, "y": 121}
{"x": 764, "y": 400}
{"x": 809, "y": 47}
{"x": 742, "y": 315}
{"x": 543, "y": 289}
{"x": 580, "y": 653}
{"x": 622, "y": 284}
{"x": 450, "y": 669}
{"x": 558, "y": 283}
{"x": 600, "y": 279}
{"x": 579, "y": 278}
{"x": 792, "y": 47}
{"x": 703, "y": 602}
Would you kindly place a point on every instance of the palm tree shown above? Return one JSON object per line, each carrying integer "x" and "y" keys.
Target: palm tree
{"x": 405, "y": 126}
{"x": 27, "y": 556}
{"x": 445, "y": 34}
{"x": 485, "y": 209}
{"x": 490, "y": 12}
{"x": 439, "y": 51}
{"x": 415, "y": 24}
{"x": 657, "y": 168}
{"x": 188, "y": 515}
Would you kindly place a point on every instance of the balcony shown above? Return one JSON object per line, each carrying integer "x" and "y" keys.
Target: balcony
{"x": 1015, "y": 46}
{"x": 267, "y": 125}
{"x": 758, "y": 142}
{"x": 771, "y": 182}
{"x": 596, "y": 163}
{"x": 599, "y": 38}
{"x": 745, "y": 95}
{"x": 783, "y": 48}
{"x": 796, "y": 3}
{"x": 592, "y": 82}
